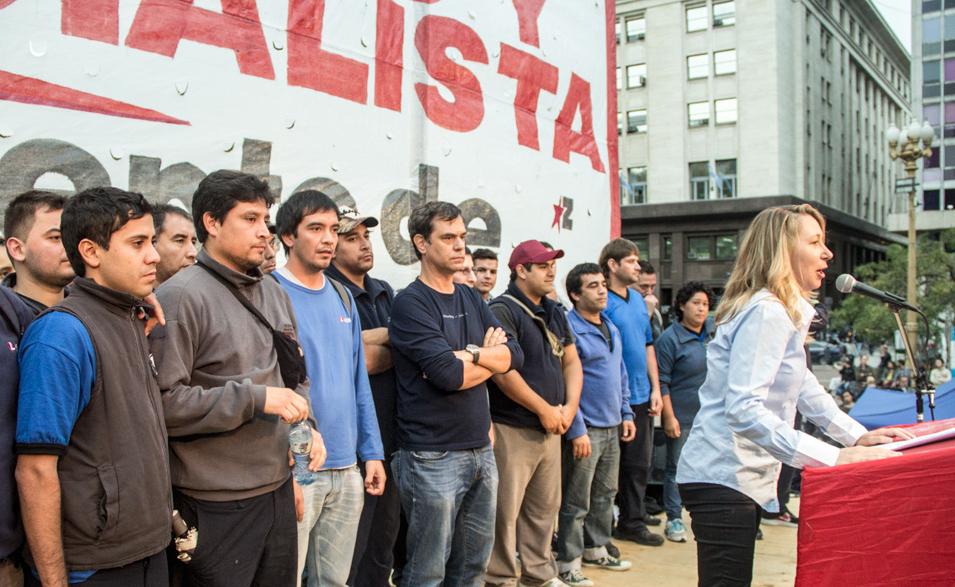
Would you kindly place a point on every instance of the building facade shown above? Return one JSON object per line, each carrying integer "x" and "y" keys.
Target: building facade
{"x": 726, "y": 106}
{"x": 933, "y": 100}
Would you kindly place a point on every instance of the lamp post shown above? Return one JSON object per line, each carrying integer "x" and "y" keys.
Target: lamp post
{"x": 911, "y": 144}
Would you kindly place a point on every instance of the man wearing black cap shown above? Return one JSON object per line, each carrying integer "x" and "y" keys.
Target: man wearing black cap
{"x": 531, "y": 407}
{"x": 354, "y": 258}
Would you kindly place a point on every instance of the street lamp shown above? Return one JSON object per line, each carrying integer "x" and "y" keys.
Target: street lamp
{"x": 911, "y": 144}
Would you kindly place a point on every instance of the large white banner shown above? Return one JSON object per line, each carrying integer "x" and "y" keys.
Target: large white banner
{"x": 504, "y": 107}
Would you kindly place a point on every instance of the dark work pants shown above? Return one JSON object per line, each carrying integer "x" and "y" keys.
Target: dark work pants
{"x": 635, "y": 462}
{"x": 377, "y": 530}
{"x": 242, "y": 543}
{"x": 724, "y": 523}
{"x": 148, "y": 572}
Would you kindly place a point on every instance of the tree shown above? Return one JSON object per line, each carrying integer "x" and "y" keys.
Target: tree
{"x": 871, "y": 321}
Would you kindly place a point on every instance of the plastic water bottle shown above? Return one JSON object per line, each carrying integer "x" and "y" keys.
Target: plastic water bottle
{"x": 300, "y": 441}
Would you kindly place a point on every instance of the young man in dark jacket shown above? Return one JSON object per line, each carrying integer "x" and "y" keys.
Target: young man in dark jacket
{"x": 15, "y": 315}
{"x": 92, "y": 465}
{"x": 226, "y": 402}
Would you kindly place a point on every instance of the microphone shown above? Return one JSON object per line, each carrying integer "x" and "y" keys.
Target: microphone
{"x": 847, "y": 284}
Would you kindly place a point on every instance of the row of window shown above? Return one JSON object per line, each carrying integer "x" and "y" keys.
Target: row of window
{"x": 698, "y": 114}
{"x": 937, "y": 200}
{"x": 709, "y": 180}
{"x": 634, "y": 28}
{"x": 699, "y": 247}
{"x": 936, "y": 5}
{"x": 938, "y": 34}
{"x": 697, "y": 67}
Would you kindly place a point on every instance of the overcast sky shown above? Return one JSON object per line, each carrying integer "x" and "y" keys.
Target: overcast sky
{"x": 898, "y": 13}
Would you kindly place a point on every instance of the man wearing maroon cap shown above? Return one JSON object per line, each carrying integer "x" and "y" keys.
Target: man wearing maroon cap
{"x": 531, "y": 407}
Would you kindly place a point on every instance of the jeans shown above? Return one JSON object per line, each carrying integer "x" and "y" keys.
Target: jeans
{"x": 671, "y": 494}
{"x": 635, "y": 462}
{"x": 326, "y": 536}
{"x": 590, "y": 484}
{"x": 449, "y": 498}
{"x": 724, "y": 523}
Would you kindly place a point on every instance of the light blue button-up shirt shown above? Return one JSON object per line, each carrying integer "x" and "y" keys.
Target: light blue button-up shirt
{"x": 756, "y": 379}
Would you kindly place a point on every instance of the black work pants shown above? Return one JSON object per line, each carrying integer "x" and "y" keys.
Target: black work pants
{"x": 724, "y": 523}
{"x": 147, "y": 572}
{"x": 244, "y": 543}
{"x": 635, "y": 463}
{"x": 375, "y": 542}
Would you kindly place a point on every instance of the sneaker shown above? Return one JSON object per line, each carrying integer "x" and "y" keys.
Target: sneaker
{"x": 575, "y": 578}
{"x": 675, "y": 531}
{"x": 612, "y": 550}
{"x": 555, "y": 582}
{"x": 610, "y": 563}
{"x": 641, "y": 536}
{"x": 782, "y": 519}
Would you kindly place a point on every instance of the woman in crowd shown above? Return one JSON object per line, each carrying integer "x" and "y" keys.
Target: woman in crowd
{"x": 889, "y": 374}
{"x": 940, "y": 374}
{"x": 756, "y": 379}
{"x": 681, "y": 361}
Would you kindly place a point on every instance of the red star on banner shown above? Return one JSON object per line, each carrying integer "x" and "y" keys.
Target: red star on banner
{"x": 558, "y": 213}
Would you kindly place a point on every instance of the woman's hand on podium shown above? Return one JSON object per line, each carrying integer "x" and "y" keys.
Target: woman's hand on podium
{"x": 884, "y": 435}
{"x": 858, "y": 454}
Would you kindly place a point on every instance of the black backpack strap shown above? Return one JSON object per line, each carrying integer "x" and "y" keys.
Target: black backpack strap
{"x": 342, "y": 293}
{"x": 238, "y": 296}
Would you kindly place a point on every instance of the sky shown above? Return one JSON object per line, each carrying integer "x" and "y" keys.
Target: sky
{"x": 898, "y": 13}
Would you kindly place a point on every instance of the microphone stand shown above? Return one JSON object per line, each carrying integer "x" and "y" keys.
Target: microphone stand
{"x": 922, "y": 384}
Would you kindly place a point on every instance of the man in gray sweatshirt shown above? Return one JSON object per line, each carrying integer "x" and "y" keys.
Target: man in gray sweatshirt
{"x": 226, "y": 405}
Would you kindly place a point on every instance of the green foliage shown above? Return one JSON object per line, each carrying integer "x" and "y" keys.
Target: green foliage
{"x": 936, "y": 285}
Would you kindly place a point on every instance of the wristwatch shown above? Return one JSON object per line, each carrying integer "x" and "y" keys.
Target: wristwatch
{"x": 475, "y": 351}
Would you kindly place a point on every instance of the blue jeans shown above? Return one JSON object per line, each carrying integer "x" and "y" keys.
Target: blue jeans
{"x": 586, "y": 510}
{"x": 671, "y": 494}
{"x": 326, "y": 536}
{"x": 449, "y": 499}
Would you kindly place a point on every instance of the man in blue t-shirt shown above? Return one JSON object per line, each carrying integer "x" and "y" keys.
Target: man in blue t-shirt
{"x": 330, "y": 334}
{"x": 620, "y": 262}
{"x": 446, "y": 344}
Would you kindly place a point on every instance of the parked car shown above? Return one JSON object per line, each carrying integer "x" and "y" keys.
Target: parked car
{"x": 824, "y": 352}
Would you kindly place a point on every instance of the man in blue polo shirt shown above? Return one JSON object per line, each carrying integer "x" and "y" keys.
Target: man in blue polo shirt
{"x": 620, "y": 263}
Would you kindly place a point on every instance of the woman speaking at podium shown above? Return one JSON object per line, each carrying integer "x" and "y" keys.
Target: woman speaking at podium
{"x": 757, "y": 378}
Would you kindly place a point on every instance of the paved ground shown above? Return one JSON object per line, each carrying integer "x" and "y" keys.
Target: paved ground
{"x": 675, "y": 564}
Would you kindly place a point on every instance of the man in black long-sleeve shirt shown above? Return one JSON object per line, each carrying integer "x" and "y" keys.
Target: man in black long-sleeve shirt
{"x": 446, "y": 345}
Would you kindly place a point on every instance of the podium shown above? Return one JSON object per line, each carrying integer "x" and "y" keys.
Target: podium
{"x": 882, "y": 523}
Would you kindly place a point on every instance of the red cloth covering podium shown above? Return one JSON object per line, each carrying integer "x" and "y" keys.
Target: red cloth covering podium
{"x": 886, "y": 523}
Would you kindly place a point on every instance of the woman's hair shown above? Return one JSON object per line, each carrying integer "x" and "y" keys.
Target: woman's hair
{"x": 688, "y": 291}
{"x": 765, "y": 261}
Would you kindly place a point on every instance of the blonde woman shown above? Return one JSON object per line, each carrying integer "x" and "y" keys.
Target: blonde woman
{"x": 756, "y": 379}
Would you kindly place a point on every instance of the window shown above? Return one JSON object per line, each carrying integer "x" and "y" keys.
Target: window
{"x": 643, "y": 246}
{"x": 725, "y": 247}
{"x": 636, "y": 186}
{"x": 637, "y": 121}
{"x": 724, "y": 62}
{"x": 698, "y": 248}
{"x": 636, "y": 28}
{"x": 617, "y": 27}
{"x": 725, "y": 180}
{"x": 950, "y": 199}
{"x": 931, "y": 36}
{"x": 697, "y": 66}
{"x": 930, "y": 200}
{"x": 696, "y": 19}
{"x": 699, "y": 181}
{"x": 949, "y": 76}
{"x": 949, "y": 120}
{"x": 667, "y": 247}
{"x": 725, "y": 111}
{"x": 698, "y": 114}
{"x": 949, "y": 32}
{"x": 931, "y": 6}
{"x": 636, "y": 75}
{"x": 619, "y": 79}
{"x": 724, "y": 14}
{"x": 718, "y": 247}
{"x": 619, "y": 123}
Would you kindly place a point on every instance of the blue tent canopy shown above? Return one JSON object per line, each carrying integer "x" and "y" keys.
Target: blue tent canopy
{"x": 888, "y": 407}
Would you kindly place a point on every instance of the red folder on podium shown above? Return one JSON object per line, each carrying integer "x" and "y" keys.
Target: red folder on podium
{"x": 884, "y": 523}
